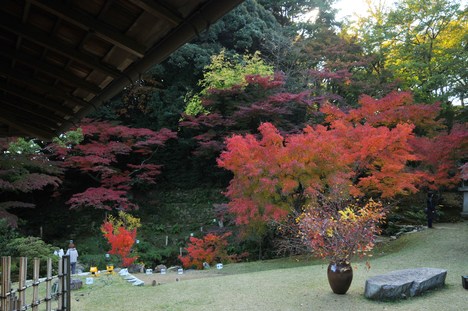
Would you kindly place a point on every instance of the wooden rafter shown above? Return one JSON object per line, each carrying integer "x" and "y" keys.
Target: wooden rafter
{"x": 36, "y": 99}
{"x": 39, "y": 37}
{"x": 63, "y": 58}
{"x": 27, "y": 129}
{"x": 27, "y": 7}
{"x": 156, "y": 9}
{"x": 52, "y": 70}
{"x": 92, "y": 25}
{"x": 13, "y": 74}
{"x": 18, "y": 114}
{"x": 31, "y": 109}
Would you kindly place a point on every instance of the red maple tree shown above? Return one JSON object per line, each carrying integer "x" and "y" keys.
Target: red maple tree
{"x": 116, "y": 158}
{"x": 24, "y": 171}
{"x": 369, "y": 151}
{"x": 210, "y": 249}
{"x": 241, "y": 108}
{"x": 121, "y": 240}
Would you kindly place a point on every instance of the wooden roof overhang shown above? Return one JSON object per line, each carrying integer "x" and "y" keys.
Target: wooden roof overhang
{"x": 59, "y": 59}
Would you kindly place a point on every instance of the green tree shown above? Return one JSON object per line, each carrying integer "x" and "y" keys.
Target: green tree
{"x": 25, "y": 170}
{"x": 423, "y": 44}
{"x": 159, "y": 97}
{"x": 223, "y": 73}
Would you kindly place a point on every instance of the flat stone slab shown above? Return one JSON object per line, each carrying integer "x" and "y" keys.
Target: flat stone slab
{"x": 139, "y": 283}
{"x": 76, "y": 284}
{"x": 132, "y": 279}
{"x": 404, "y": 283}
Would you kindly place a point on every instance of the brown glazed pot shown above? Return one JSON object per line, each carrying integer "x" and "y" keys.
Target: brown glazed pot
{"x": 340, "y": 276}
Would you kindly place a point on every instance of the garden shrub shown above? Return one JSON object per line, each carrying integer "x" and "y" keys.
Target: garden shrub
{"x": 121, "y": 232}
{"x": 7, "y": 233}
{"x": 30, "y": 247}
{"x": 211, "y": 249}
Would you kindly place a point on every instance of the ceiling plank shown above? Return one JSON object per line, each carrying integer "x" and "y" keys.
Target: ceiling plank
{"x": 39, "y": 37}
{"x": 92, "y": 25}
{"x": 14, "y": 74}
{"x": 19, "y": 114}
{"x": 52, "y": 70}
{"x": 36, "y": 99}
{"x": 24, "y": 107}
{"x": 27, "y": 7}
{"x": 28, "y": 129}
{"x": 157, "y": 10}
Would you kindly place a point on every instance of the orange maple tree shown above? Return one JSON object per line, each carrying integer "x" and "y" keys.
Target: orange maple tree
{"x": 120, "y": 232}
{"x": 373, "y": 150}
{"x": 210, "y": 249}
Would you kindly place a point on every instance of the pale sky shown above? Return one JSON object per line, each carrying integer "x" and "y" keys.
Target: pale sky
{"x": 348, "y": 8}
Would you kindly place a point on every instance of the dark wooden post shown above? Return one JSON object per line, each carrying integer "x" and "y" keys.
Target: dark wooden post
{"x": 66, "y": 278}
{"x": 60, "y": 284}
{"x": 48, "y": 298}
{"x": 35, "y": 300}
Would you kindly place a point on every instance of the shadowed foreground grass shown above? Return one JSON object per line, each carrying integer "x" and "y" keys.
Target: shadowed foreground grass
{"x": 289, "y": 284}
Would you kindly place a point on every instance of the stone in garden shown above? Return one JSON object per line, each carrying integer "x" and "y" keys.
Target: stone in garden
{"x": 464, "y": 189}
{"x": 159, "y": 268}
{"x": 404, "y": 283}
{"x": 206, "y": 265}
{"x": 149, "y": 271}
{"x": 139, "y": 283}
{"x": 75, "y": 284}
{"x": 174, "y": 268}
{"x": 123, "y": 272}
{"x": 136, "y": 268}
{"x": 79, "y": 268}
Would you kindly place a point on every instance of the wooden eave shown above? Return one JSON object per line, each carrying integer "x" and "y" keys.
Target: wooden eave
{"x": 61, "y": 59}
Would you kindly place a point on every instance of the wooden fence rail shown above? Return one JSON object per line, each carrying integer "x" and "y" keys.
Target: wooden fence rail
{"x": 56, "y": 293}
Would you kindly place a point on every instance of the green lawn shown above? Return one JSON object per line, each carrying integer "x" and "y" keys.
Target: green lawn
{"x": 290, "y": 284}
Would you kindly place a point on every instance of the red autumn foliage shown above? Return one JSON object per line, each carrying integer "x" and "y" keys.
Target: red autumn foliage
{"x": 116, "y": 157}
{"x": 22, "y": 173}
{"x": 380, "y": 158}
{"x": 269, "y": 173}
{"x": 240, "y": 110}
{"x": 121, "y": 241}
{"x": 102, "y": 198}
{"x": 393, "y": 109}
{"x": 211, "y": 249}
{"x": 441, "y": 157}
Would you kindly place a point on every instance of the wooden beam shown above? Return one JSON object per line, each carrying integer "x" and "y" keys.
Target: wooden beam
{"x": 19, "y": 114}
{"x": 200, "y": 19}
{"x": 36, "y": 99}
{"x": 50, "y": 69}
{"x": 28, "y": 129}
{"x": 157, "y": 10}
{"x": 14, "y": 74}
{"x": 31, "y": 109}
{"x": 12, "y": 24}
{"x": 92, "y": 25}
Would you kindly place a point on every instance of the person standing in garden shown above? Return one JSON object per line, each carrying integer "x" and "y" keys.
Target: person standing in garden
{"x": 430, "y": 209}
{"x": 73, "y": 253}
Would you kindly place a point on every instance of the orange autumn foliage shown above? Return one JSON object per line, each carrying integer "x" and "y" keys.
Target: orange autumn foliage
{"x": 372, "y": 150}
{"x": 210, "y": 249}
